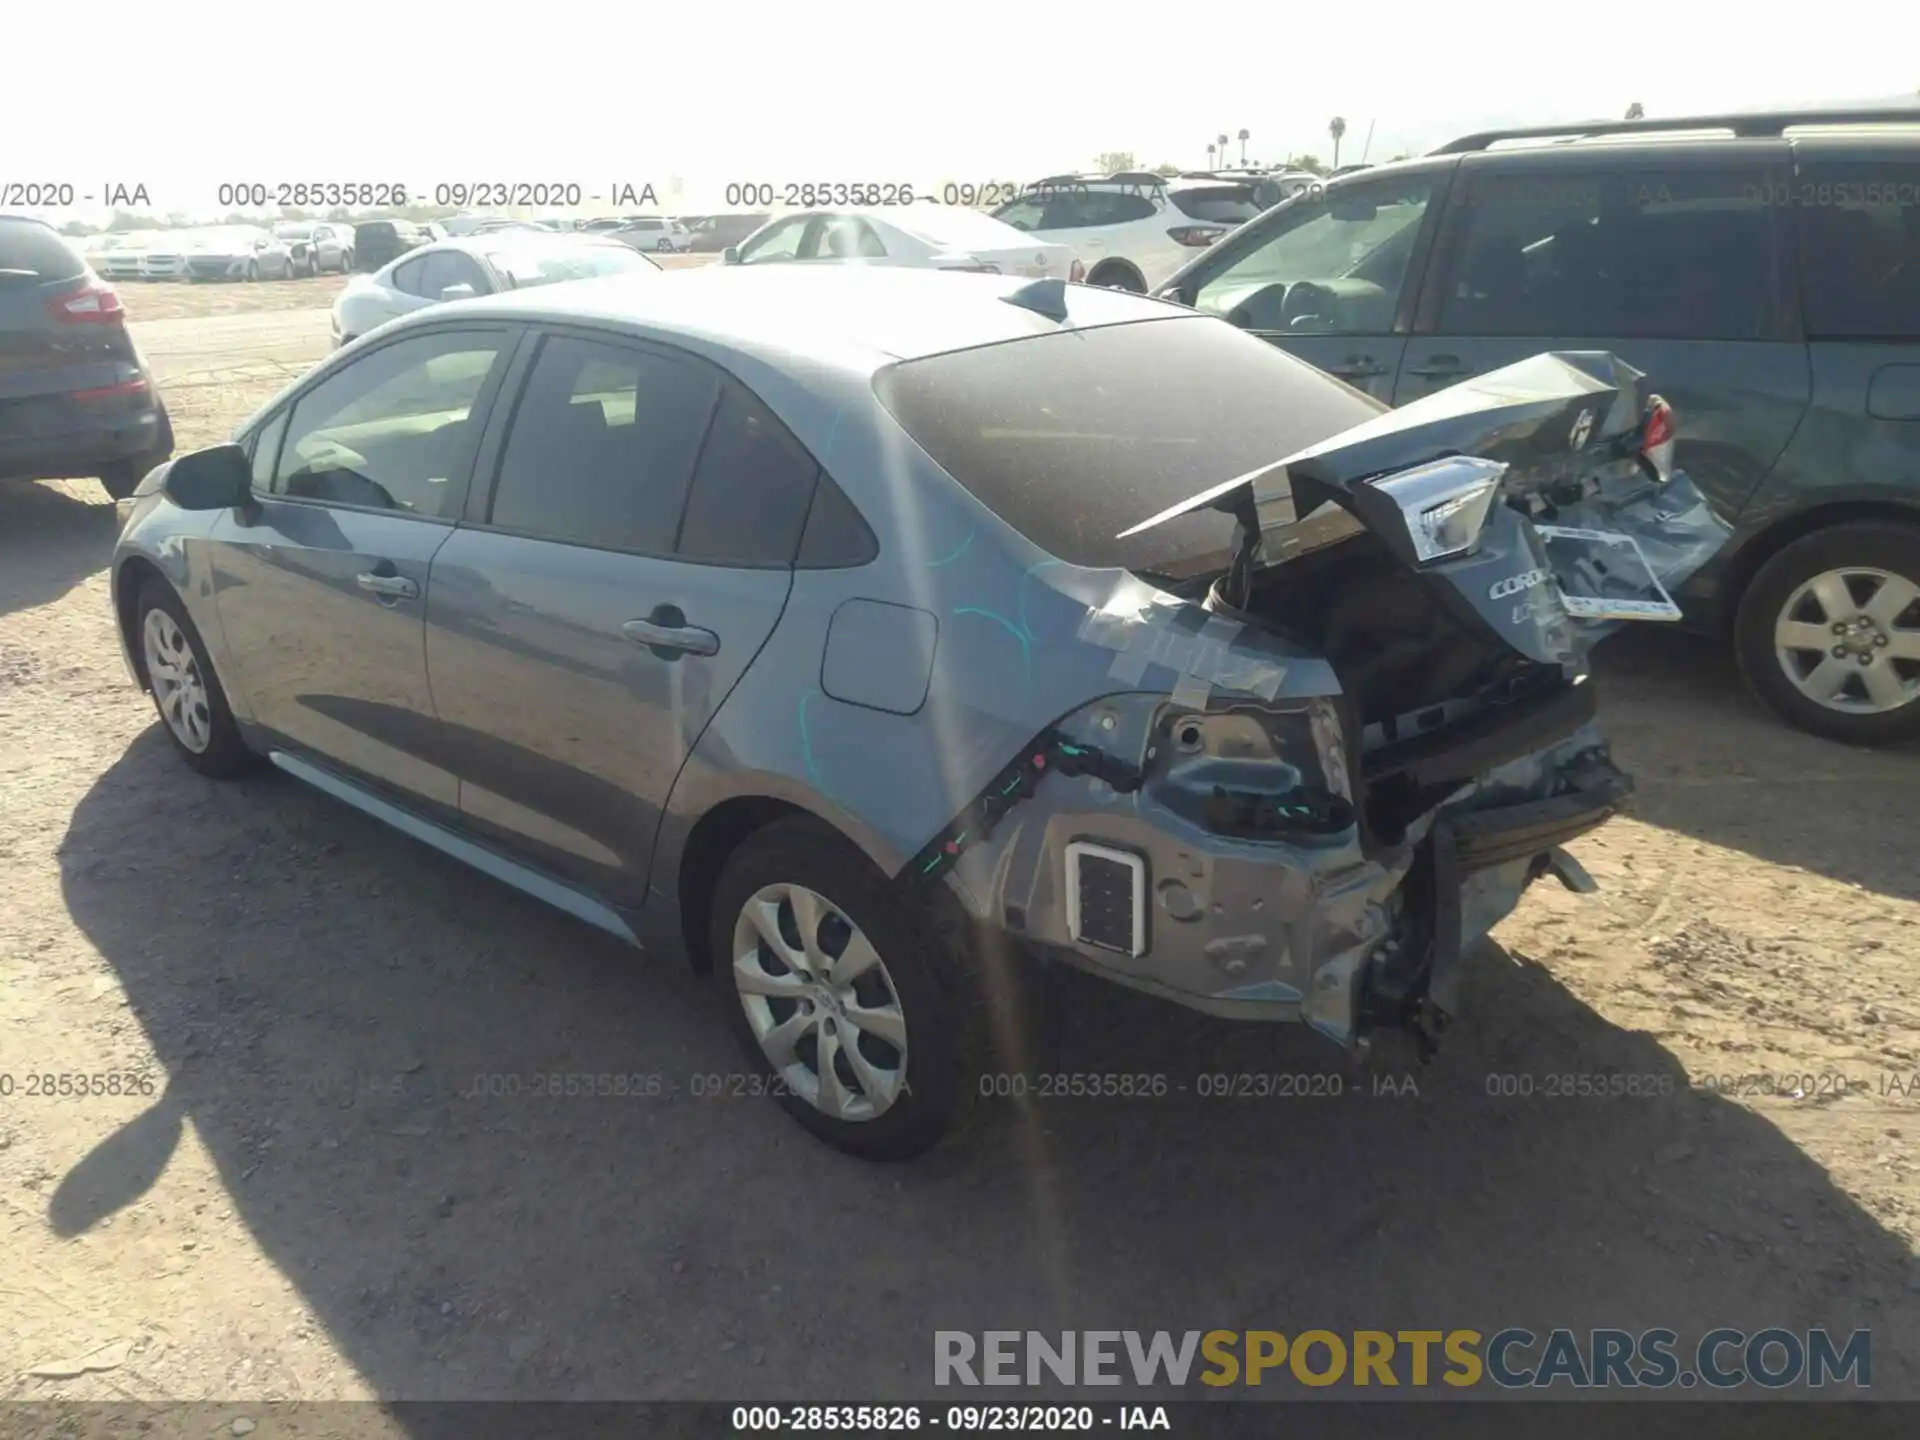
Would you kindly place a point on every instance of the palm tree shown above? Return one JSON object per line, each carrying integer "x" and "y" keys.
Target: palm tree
{"x": 1244, "y": 137}
{"x": 1209, "y": 157}
{"x": 1635, "y": 112}
{"x": 1336, "y": 127}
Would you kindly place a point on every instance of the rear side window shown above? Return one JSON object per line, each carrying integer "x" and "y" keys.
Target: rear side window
{"x": 29, "y": 248}
{"x": 411, "y": 277}
{"x": 1684, "y": 254}
{"x": 1224, "y": 205}
{"x": 1075, "y": 436}
{"x": 1078, "y": 209}
{"x": 1859, "y": 249}
{"x": 603, "y": 445}
{"x": 751, "y": 490}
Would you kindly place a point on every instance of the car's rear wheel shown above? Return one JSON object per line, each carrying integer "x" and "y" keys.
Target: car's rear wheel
{"x": 1118, "y": 275}
{"x": 253, "y": 270}
{"x": 193, "y": 708}
{"x": 1828, "y": 633}
{"x": 834, "y": 993}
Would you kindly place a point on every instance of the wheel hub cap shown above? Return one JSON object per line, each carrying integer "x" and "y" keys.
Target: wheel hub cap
{"x": 818, "y": 998}
{"x": 179, "y": 689}
{"x": 1849, "y": 640}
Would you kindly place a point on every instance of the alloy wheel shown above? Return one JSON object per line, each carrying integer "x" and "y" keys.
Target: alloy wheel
{"x": 178, "y": 686}
{"x": 819, "y": 1000}
{"x": 1849, "y": 640}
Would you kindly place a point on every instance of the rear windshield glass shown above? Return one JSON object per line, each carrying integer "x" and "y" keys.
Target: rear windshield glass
{"x": 1226, "y": 204}
{"x": 1074, "y": 436}
{"x": 28, "y": 248}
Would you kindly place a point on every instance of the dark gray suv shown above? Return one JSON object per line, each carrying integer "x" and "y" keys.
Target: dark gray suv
{"x": 1764, "y": 270}
{"x": 75, "y": 397}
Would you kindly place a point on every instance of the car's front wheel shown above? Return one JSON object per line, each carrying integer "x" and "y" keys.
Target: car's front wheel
{"x": 186, "y": 692}
{"x": 833, "y": 991}
{"x": 1828, "y": 633}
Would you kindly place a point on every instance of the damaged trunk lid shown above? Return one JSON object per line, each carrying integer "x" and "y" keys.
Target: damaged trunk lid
{"x": 1540, "y": 497}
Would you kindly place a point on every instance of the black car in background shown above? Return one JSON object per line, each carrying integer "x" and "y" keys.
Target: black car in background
{"x": 1762, "y": 269}
{"x": 75, "y": 397}
{"x": 714, "y": 233}
{"x": 376, "y": 242}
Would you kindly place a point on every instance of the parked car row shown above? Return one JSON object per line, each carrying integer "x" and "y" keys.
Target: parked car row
{"x": 220, "y": 252}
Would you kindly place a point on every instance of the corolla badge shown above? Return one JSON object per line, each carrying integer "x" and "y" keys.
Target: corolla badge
{"x": 1582, "y": 428}
{"x": 1516, "y": 584}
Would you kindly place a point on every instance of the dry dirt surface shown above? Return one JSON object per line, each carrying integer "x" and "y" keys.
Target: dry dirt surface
{"x": 319, "y": 1169}
{"x": 180, "y": 300}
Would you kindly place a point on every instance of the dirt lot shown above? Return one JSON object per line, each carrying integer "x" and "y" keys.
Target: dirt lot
{"x": 313, "y": 1191}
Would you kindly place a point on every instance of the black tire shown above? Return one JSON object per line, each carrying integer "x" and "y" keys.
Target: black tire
{"x": 1117, "y": 275}
{"x": 253, "y": 271}
{"x": 226, "y": 755}
{"x": 1885, "y": 546}
{"x": 346, "y": 262}
{"x": 121, "y": 478}
{"x": 915, "y": 960}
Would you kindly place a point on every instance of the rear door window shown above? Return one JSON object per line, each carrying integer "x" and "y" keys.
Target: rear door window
{"x": 1687, "y": 253}
{"x": 1859, "y": 248}
{"x": 603, "y": 446}
{"x": 1222, "y": 205}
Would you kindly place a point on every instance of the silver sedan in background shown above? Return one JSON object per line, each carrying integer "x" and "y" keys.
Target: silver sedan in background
{"x": 482, "y": 264}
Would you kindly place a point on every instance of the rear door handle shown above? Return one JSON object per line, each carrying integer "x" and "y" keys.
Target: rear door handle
{"x": 1439, "y": 367}
{"x": 397, "y": 587}
{"x": 667, "y": 634}
{"x": 1357, "y": 367}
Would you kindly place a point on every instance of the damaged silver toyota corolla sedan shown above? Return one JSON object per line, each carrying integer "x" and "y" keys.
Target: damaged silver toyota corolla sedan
{"x": 867, "y": 632}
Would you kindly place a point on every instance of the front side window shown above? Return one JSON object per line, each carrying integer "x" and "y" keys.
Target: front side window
{"x": 1333, "y": 265}
{"x": 391, "y": 430}
{"x": 411, "y": 278}
{"x": 603, "y": 446}
{"x": 1859, "y": 249}
{"x": 776, "y": 242}
{"x": 1686, "y": 253}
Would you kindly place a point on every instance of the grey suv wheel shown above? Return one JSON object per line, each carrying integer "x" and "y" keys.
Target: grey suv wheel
{"x": 1829, "y": 633}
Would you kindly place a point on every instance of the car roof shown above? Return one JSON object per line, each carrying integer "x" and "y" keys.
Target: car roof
{"x": 504, "y": 239}
{"x": 849, "y": 317}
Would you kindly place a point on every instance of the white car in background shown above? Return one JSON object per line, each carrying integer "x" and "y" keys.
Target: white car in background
{"x": 652, "y": 232}
{"x": 926, "y": 235}
{"x": 317, "y": 245}
{"x": 1132, "y": 230}
{"x": 116, "y": 257}
{"x": 483, "y": 264}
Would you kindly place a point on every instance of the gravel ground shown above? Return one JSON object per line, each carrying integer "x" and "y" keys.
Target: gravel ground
{"x": 310, "y": 1188}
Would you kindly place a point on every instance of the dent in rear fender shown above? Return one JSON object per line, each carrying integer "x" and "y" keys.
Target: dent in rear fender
{"x": 1016, "y": 648}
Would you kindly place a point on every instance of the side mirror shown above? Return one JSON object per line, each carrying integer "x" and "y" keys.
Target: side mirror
{"x": 462, "y": 291}
{"x": 217, "y": 478}
{"x": 730, "y": 255}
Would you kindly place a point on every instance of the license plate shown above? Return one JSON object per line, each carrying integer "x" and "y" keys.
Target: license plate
{"x": 1604, "y": 575}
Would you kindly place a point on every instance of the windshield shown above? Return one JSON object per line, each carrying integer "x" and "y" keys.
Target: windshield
{"x": 526, "y": 265}
{"x": 1075, "y": 436}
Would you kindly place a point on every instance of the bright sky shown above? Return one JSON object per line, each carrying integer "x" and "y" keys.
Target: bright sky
{"x": 598, "y": 91}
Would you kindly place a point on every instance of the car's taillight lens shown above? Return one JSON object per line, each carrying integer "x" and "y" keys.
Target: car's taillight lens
{"x": 1656, "y": 437}
{"x": 135, "y": 386}
{"x": 976, "y": 269}
{"x": 93, "y": 304}
{"x": 1196, "y": 236}
{"x": 1076, "y": 272}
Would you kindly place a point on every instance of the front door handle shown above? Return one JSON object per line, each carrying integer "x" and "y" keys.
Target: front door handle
{"x": 1439, "y": 367}
{"x": 395, "y": 587}
{"x": 1357, "y": 367}
{"x": 667, "y": 633}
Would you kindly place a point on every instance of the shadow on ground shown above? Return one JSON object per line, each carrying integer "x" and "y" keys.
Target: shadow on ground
{"x": 354, "y": 1028}
{"x": 52, "y": 537}
{"x": 1711, "y": 763}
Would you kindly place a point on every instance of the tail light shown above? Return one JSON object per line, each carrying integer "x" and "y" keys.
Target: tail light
{"x": 1656, "y": 437}
{"x": 977, "y": 268}
{"x": 1076, "y": 272}
{"x": 135, "y": 386}
{"x": 95, "y": 303}
{"x": 1196, "y": 236}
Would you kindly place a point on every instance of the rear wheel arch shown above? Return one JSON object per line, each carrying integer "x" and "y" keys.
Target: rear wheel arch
{"x": 715, "y": 836}
{"x": 1752, "y": 557}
